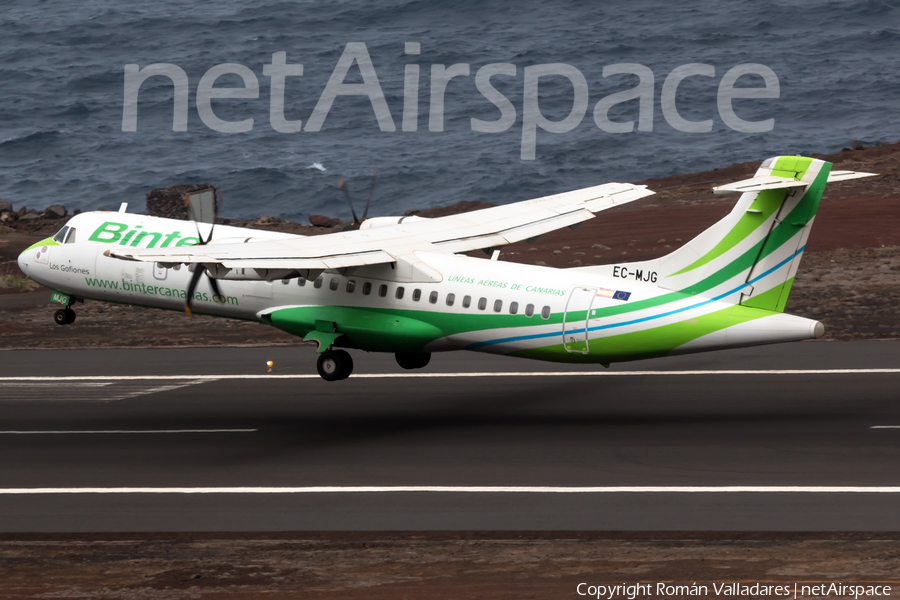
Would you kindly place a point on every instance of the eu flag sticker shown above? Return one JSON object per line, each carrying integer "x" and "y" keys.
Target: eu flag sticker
{"x": 620, "y": 295}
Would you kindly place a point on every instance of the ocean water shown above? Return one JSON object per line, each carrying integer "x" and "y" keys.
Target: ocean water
{"x": 62, "y": 94}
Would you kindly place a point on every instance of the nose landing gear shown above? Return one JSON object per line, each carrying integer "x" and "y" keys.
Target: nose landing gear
{"x": 64, "y": 316}
{"x": 334, "y": 365}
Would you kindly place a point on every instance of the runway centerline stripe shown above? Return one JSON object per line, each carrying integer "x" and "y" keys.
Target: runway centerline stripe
{"x": 740, "y": 489}
{"x": 201, "y": 378}
{"x": 885, "y": 427}
{"x": 125, "y": 431}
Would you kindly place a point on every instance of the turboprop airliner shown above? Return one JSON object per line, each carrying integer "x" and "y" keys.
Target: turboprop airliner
{"x": 402, "y": 284}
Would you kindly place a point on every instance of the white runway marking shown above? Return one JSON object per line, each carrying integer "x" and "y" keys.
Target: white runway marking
{"x": 53, "y": 384}
{"x": 885, "y": 427}
{"x": 740, "y": 489}
{"x": 86, "y": 389}
{"x": 128, "y": 431}
{"x": 198, "y": 378}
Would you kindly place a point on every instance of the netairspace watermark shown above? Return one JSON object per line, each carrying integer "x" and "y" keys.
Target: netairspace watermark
{"x": 670, "y": 590}
{"x": 533, "y": 118}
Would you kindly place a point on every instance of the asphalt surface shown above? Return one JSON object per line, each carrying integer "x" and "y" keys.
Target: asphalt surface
{"x": 214, "y": 420}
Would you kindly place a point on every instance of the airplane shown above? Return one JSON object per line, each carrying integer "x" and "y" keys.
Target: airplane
{"x": 402, "y": 284}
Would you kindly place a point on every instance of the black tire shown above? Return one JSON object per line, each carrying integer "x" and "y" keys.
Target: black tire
{"x": 346, "y": 363}
{"x": 334, "y": 365}
{"x": 70, "y": 314}
{"x": 61, "y": 317}
{"x": 413, "y": 360}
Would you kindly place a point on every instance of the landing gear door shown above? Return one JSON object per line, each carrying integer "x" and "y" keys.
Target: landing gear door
{"x": 575, "y": 320}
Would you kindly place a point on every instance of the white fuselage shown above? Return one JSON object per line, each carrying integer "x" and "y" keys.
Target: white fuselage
{"x": 452, "y": 284}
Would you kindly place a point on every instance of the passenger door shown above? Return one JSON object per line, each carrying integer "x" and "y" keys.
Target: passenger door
{"x": 575, "y": 320}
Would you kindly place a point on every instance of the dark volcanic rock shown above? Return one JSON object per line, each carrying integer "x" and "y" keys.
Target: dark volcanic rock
{"x": 5, "y": 206}
{"x": 319, "y": 221}
{"x": 55, "y": 211}
{"x": 169, "y": 202}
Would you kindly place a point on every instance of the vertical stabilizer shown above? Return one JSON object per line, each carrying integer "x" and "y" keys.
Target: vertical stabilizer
{"x": 750, "y": 256}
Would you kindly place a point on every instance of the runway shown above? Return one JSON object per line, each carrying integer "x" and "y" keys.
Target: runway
{"x": 793, "y": 437}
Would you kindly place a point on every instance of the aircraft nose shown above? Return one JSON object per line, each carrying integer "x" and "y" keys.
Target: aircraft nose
{"x": 23, "y": 262}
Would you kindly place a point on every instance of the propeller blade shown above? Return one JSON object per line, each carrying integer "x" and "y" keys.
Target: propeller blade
{"x": 192, "y": 287}
{"x": 200, "y": 269}
{"x": 215, "y": 288}
{"x": 371, "y": 191}
{"x": 342, "y": 185}
{"x": 215, "y": 215}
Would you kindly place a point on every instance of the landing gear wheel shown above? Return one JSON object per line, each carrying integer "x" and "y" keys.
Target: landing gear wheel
{"x": 64, "y": 316}
{"x": 334, "y": 365}
{"x": 413, "y": 360}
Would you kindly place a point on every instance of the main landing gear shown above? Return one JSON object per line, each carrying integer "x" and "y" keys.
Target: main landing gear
{"x": 64, "y": 316}
{"x": 334, "y": 365}
{"x": 413, "y": 360}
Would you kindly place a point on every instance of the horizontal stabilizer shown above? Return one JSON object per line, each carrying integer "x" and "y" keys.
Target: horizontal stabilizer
{"x": 847, "y": 175}
{"x": 759, "y": 184}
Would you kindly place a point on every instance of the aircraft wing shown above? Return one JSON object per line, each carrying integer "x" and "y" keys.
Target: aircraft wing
{"x": 486, "y": 228}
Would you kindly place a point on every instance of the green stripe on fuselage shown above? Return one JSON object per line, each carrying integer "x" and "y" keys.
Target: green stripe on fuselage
{"x": 399, "y": 330}
{"x": 647, "y": 343}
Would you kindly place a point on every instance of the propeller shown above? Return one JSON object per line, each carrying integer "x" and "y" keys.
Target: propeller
{"x": 342, "y": 185}
{"x": 200, "y": 268}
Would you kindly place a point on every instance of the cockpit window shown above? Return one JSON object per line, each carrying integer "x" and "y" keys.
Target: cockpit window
{"x": 60, "y": 237}
{"x": 70, "y": 238}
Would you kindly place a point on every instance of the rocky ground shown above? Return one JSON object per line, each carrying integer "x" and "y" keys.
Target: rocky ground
{"x": 437, "y": 566}
{"x": 849, "y": 279}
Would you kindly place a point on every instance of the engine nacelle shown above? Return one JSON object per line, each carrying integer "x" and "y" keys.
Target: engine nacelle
{"x": 376, "y": 222}
{"x": 220, "y": 272}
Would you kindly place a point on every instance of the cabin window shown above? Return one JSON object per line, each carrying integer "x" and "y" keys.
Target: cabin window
{"x": 60, "y": 236}
{"x": 399, "y": 293}
{"x": 417, "y": 295}
{"x": 301, "y": 281}
{"x": 545, "y": 312}
{"x": 318, "y": 283}
{"x": 529, "y": 310}
{"x": 334, "y": 283}
{"x": 513, "y": 308}
{"x": 467, "y": 301}
{"x": 382, "y": 290}
{"x": 451, "y": 298}
{"x": 351, "y": 285}
{"x": 367, "y": 288}
{"x": 482, "y": 303}
{"x": 498, "y": 305}
{"x": 433, "y": 297}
